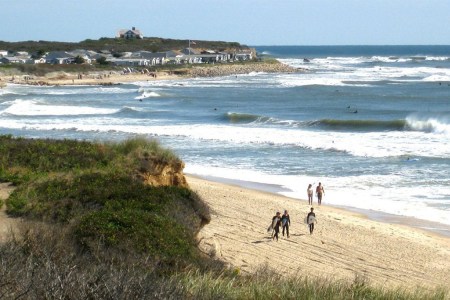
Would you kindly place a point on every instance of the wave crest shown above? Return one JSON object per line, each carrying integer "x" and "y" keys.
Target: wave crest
{"x": 234, "y": 117}
{"x": 439, "y": 124}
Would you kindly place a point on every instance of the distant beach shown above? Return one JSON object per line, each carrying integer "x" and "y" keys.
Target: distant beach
{"x": 116, "y": 77}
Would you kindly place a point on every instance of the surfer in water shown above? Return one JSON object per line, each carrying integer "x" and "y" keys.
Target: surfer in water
{"x": 320, "y": 192}
{"x": 276, "y": 223}
{"x": 310, "y": 192}
{"x": 311, "y": 219}
{"x": 286, "y": 222}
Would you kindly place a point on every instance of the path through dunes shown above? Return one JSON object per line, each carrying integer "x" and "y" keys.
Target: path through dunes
{"x": 6, "y": 223}
{"x": 344, "y": 244}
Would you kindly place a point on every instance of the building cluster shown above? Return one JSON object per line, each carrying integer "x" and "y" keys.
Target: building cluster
{"x": 138, "y": 58}
{"x": 188, "y": 55}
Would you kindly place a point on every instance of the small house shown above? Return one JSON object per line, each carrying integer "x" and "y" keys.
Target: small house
{"x": 132, "y": 33}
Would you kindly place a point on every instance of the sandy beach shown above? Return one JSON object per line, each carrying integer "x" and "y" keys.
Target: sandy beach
{"x": 104, "y": 78}
{"x": 344, "y": 244}
{"x": 118, "y": 77}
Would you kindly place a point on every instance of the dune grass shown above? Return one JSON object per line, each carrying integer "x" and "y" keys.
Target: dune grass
{"x": 92, "y": 189}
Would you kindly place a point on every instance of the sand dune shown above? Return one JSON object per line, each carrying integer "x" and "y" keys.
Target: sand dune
{"x": 344, "y": 244}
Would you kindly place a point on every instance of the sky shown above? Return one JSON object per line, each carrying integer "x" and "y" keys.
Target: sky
{"x": 249, "y": 22}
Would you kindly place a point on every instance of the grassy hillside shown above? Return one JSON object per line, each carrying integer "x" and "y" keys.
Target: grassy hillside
{"x": 153, "y": 44}
{"x": 92, "y": 230}
{"x": 92, "y": 188}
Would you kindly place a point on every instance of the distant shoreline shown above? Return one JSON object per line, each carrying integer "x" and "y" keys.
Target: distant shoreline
{"x": 110, "y": 77}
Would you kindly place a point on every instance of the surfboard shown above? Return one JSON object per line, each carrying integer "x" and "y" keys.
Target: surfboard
{"x": 274, "y": 222}
{"x": 311, "y": 219}
{"x": 272, "y": 225}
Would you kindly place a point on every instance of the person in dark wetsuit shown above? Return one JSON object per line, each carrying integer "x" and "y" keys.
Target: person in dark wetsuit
{"x": 311, "y": 219}
{"x": 276, "y": 220}
{"x": 285, "y": 222}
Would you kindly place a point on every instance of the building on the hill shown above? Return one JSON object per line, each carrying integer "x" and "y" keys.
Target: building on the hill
{"x": 130, "y": 34}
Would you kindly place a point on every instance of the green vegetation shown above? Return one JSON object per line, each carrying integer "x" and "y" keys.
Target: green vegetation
{"x": 153, "y": 44}
{"x": 93, "y": 188}
{"x": 93, "y": 230}
{"x": 43, "y": 69}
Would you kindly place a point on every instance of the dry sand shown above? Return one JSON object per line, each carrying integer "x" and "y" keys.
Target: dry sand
{"x": 343, "y": 245}
{"x": 100, "y": 78}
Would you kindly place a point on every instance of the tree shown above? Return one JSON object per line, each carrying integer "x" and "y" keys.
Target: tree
{"x": 79, "y": 60}
{"x": 38, "y": 54}
{"x": 101, "y": 61}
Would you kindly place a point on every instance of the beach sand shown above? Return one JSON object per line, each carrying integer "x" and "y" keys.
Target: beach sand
{"x": 101, "y": 78}
{"x": 344, "y": 244}
{"x": 117, "y": 77}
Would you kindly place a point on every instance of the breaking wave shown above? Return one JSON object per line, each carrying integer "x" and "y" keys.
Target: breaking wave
{"x": 234, "y": 117}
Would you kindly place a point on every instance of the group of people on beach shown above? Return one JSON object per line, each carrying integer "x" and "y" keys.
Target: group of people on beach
{"x": 284, "y": 221}
{"x": 320, "y": 192}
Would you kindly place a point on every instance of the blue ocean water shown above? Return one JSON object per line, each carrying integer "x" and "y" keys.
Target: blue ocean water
{"x": 372, "y": 123}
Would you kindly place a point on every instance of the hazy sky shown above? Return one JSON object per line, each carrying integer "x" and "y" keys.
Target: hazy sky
{"x": 251, "y": 22}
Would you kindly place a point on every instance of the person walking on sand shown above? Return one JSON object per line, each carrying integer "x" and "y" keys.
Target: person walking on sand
{"x": 276, "y": 223}
{"x": 311, "y": 219}
{"x": 320, "y": 192}
{"x": 286, "y": 222}
{"x": 310, "y": 193}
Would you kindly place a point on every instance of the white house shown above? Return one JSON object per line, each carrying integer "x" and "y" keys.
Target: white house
{"x": 130, "y": 34}
{"x": 3, "y": 53}
{"x": 243, "y": 55}
{"x": 59, "y": 57}
{"x": 13, "y": 60}
{"x": 130, "y": 61}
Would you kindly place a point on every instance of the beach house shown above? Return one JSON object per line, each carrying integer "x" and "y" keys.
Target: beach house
{"x": 59, "y": 57}
{"x": 132, "y": 33}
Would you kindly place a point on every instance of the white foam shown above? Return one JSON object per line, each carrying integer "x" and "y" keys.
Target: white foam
{"x": 148, "y": 94}
{"x": 368, "y": 192}
{"x": 343, "y": 70}
{"x": 438, "y": 124}
{"x": 34, "y": 108}
{"x": 370, "y": 144}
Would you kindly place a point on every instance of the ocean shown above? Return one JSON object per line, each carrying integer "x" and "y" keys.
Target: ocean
{"x": 372, "y": 123}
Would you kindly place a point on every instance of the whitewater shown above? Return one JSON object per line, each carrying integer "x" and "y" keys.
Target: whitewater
{"x": 371, "y": 123}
